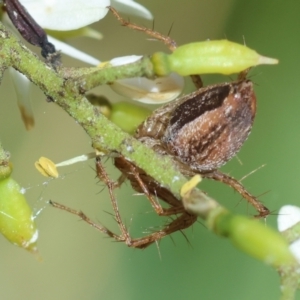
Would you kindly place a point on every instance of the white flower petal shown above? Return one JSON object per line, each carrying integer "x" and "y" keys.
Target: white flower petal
{"x": 160, "y": 90}
{"x": 132, "y": 8}
{"x": 295, "y": 249}
{"x": 86, "y": 31}
{"x": 22, "y": 88}
{"x": 157, "y": 91}
{"x": 288, "y": 216}
{"x": 123, "y": 60}
{"x": 66, "y": 14}
{"x": 73, "y": 52}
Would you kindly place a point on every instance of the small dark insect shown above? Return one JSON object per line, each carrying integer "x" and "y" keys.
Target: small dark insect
{"x": 28, "y": 27}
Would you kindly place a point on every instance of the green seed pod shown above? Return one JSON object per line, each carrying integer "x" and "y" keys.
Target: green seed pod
{"x": 16, "y": 219}
{"x": 5, "y": 164}
{"x": 5, "y": 170}
{"x": 128, "y": 116}
{"x": 254, "y": 238}
{"x": 220, "y": 56}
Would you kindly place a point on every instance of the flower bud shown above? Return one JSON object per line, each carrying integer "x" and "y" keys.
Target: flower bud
{"x": 254, "y": 238}
{"x": 128, "y": 116}
{"x": 221, "y": 56}
{"x": 16, "y": 218}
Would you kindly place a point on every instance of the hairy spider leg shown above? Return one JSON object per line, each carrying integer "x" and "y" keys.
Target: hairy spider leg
{"x": 166, "y": 39}
{"x": 179, "y": 223}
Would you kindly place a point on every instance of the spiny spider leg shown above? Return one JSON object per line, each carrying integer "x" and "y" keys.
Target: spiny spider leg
{"x": 102, "y": 175}
{"x": 178, "y": 224}
{"x": 143, "y": 183}
{"x": 236, "y": 185}
{"x": 170, "y": 43}
{"x": 184, "y": 221}
{"x": 82, "y": 216}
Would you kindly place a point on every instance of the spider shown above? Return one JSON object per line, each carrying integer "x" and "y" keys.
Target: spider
{"x": 201, "y": 132}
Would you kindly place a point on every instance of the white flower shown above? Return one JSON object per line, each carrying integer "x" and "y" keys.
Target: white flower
{"x": 157, "y": 91}
{"x": 132, "y": 8}
{"x": 73, "y": 52}
{"x": 22, "y": 88}
{"x": 74, "y": 14}
{"x": 66, "y": 14}
{"x": 289, "y": 216}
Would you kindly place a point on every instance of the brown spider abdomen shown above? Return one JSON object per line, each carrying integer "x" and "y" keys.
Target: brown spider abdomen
{"x": 207, "y": 130}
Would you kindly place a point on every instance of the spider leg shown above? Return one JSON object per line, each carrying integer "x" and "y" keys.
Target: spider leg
{"x": 143, "y": 183}
{"x": 170, "y": 43}
{"x": 236, "y": 185}
{"x": 80, "y": 214}
{"x": 185, "y": 219}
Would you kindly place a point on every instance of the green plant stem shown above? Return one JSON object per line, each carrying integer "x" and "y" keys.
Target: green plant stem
{"x": 289, "y": 282}
{"x": 293, "y": 233}
{"x": 107, "y": 75}
{"x": 5, "y": 166}
{"x": 67, "y": 87}
{"x": 104, "y": 134}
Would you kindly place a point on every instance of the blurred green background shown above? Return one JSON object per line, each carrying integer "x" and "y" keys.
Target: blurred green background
{"x": 81, "y": 263}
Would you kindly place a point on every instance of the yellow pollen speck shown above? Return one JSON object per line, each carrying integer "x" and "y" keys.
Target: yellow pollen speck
{"x": 46, "y": 167}
{"x": 187, "y": 187}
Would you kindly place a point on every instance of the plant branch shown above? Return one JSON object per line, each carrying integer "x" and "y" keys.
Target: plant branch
{"x": 67, "y": 93}
{"x": 67, "y": 86}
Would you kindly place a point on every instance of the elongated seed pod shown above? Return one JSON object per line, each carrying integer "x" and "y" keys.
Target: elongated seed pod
{"x": 221, "y": 56}
{"x": 16, "y": 218}
{"x": 254, "y": 238}
{"x": 128, "y": 115}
